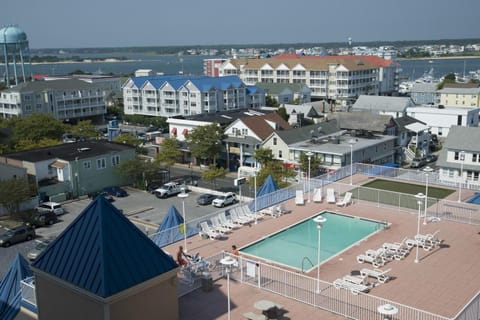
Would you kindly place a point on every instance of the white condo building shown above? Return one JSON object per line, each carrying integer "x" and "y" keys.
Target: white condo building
{"x": 337, "y": 78}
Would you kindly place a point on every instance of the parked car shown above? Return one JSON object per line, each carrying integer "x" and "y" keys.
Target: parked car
{"x": 42, "y": 218}
{"x": 205, "y": 199}
{"x": 35, "y": 252}
{"x": 225, "y": 200}
{"x": 418, "y": 162}
{"x": 431, "y": 158}
{"x": 116, "y": 192}
{"x": 15, "y": 235}
{"x": 51, "y": 206}
{"x": 106, "y": 195}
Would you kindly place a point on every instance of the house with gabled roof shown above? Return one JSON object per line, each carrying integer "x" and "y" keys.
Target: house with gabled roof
{"x": 394, "y": 106}
{"x": 103, "y": 267}
{"x": 287, "y": 92}
{"x": 246, "y": 134}
{"x": 73, "y": 169}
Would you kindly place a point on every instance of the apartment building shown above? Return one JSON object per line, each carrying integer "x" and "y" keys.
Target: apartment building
{"x": 459, "y": 97}
{"x": 336, "y": 78}
{"x": 67, "y": 99}
{"x": 174, "y": 95}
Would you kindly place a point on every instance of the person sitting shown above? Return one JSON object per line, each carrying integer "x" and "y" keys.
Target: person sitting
{"x": 235, "y": 250}
{"x": 181, "y": 260}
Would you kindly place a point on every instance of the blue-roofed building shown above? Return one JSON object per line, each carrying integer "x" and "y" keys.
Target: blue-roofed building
{"x": 103, "y": 267}
{"x": 174, "y": 95}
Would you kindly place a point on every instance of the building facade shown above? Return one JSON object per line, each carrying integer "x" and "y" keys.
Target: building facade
{"x": 70, "y": 99}
{"x": 459, "y": 97}
{"x": 174, "y": 95}
{"x": 338, "y": 78}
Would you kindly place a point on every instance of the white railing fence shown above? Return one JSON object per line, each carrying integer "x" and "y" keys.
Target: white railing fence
{"x": 29, "y": 299}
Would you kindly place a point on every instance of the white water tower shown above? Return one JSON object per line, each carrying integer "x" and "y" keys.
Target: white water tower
{"x": 15, "y": 55}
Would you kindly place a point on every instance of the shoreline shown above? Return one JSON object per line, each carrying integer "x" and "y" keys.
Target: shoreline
{"x": 440, "y": 58}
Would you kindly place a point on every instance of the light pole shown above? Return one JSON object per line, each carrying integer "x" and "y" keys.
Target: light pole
{"x": 351, "y": 142}
{"x": 227, "y": 262}
{"x": 427, "y": 170}
{"x": 309, "y": 155}
{"x": 462, "y": 158}
{"x": 255, "y": 194}
{"x": 183, "y": 195}
{"x": 420, "y": 197}
{"x": 319, "y": 220}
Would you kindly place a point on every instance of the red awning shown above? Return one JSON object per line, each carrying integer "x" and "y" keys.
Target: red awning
{"x": 174, "y": 130}
{"x": 185, "y": 131}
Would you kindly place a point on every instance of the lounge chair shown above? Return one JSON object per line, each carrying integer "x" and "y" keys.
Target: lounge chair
{"x": 217, "y": 226}
{"x": 271, "y": 211}
{"x": 238, "y": 219}
{"x": 376, "y": 261}
{"x": 317, "y": 195}
{"x": 254, "y": 316}
{"x": 427, "y": 241}
{"x": 331, "y": 195}
{"x": 356, "y": 279}
{"x": 352, "y": 287}
{"x": 209, "y": 232}
{"x": 378, "y": 274}
{"x": 227, "y": 222}
{"x": 299, "y": 199}
{"x": 399, "y": 249}
{"x": 244, "y": 211}
{"x": 346, "y": 200}
{"x": 281, "y": 209}
{"x": 385, "y": 255}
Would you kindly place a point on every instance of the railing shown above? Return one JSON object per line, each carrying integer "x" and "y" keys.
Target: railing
{"x": 302, "y": 288}
{"x": 29, "y": 300}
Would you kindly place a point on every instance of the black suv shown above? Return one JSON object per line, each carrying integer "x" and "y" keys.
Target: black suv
{"x": 46, "y": 218}
{"x": 17, "y": 234}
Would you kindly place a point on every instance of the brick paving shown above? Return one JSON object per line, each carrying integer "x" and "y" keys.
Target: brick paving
{"x": 443, "y": 281}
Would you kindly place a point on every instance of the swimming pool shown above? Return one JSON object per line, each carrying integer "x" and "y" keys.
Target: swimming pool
{"x": 299, "y": 242}
{"x": 475, "y": 199}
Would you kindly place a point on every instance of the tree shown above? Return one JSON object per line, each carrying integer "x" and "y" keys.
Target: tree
{"x": 36, "y": 127}
{"x": 139, "y": 170}
{"x": 85, "y": 129}
{"x": 205, "y": 142}
{"x": 13, "y": 192}
{"x": 449, "y": 78}
{"x": 128, "y": 138}
{"x": 271, "y": 102}
{"x": 169, "y": 153}
{"x": 277, "y": 170}
{"x": 282, "y": 112}
{"x": 314, "y": 163}
{"x": 30, "y": 144}
{"x": 263, "y": 155}
{"x": 214, "y": 173}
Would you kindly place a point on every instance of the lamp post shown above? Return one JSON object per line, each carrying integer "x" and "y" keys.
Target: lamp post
{"x": 462, "y": 158}
{"x": 420, "y": 197}
{"x": 351, "y": 142}
{"x": 319, "y": 220}
{"x": 227, "y": 262}
{"x": 183, "y": 195}
{"x": 255, "y": 194}
{"x": 309, "y": 155}
{"x": 427, "y": 170}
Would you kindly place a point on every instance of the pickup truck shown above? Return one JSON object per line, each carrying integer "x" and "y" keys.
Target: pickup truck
{"x": 168, "y": 189}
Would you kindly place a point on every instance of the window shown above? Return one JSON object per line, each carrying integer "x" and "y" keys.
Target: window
{"x": 115, "y": 160}
{"x": 101, "y": 163}
{"x": 474, "y": 157}
{"x": 87, "y": 164}
{"x": 245, "y": 132}
{"x": 456, "y": 156}
{"x": 280, "y": 153}
{"x": 275, "y": 142}
{"x": 459, "y": 120}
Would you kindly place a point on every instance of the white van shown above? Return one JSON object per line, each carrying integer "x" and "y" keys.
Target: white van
{"x": 51, "y": 206}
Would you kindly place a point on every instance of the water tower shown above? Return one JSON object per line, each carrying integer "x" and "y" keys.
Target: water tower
{"x": 15, "y": 52}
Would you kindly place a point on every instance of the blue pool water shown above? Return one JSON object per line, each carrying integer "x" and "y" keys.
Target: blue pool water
{"x": 475, "y": 199}
{"x": 291, "y": 245}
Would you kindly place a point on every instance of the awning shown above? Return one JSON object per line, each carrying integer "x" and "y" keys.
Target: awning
{"x": 58, "y": 164}
{"x": 174, "y": 130}
{"x": 184, "y": 131}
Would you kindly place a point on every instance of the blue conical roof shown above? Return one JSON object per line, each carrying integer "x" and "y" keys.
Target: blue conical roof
{"x": 10, "y": 289}
{"x": 268, "y": 186}
{"x": 102, "y": 252}
{"x": 172, "y": 229}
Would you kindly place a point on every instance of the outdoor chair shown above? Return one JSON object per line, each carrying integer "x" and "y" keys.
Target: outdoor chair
{"x": 254, "y": 316}
{"x": 217, "y": 226}
{"x": 280, "y": 209}
{"x": 271, "y": 211}
{"x": 246, "y": 212}
{"x": 208, "y": 232}
{"x": 239, "y": 219}
{"x": 378, "y": 274}
{"x": 227, "y": 222}
{"x": 346, "y": 200}
{"x": 331, "y": 195}
{"x": 376, "y": 261}
{"x": 352, "y": 287}
{"x": 317, "y": 195}
{"x": 299, "y": 199}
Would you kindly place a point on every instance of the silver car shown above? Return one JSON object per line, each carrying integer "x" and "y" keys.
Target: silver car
{"x": 39, "y": 247}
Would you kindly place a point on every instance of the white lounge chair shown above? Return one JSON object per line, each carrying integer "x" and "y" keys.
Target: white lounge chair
{"x": 317, "y": 195}
{"x": 352, "y": 287}
{"x": 356, "y": 279}
{"x": 427, "y": 241}
{"x": 376, "y": 261}
{"x": 209, "y": 232}
{"x": 299, "y": 199}
{"x": 346, "y": 200}
{"x": 382, "y": 253}
{"x": 378, "y": 274}
{"x": 217, "y": 226}
{"x": 244, "y": 211}
{"x": 399, "y": 249}
{"x": 236, "y": 218}
{"x": 331, "y": 195}
{"x": 281, "y": 209}
{"x": 227, "y": 222}
{"x": 271, "y": 211}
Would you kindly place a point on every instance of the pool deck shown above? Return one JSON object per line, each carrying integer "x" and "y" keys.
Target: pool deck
{"x": 443, "y": 281}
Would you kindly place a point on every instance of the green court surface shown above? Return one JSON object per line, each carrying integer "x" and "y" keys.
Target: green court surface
{"x": 399, "y": 194}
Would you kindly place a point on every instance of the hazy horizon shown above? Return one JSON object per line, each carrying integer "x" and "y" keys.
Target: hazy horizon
{"x": 149, "y": 23}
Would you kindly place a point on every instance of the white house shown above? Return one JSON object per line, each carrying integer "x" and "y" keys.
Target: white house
{"x": 459, "y": 159}
{"x": 393, "y": 106}
{"x": 440, "y": 119}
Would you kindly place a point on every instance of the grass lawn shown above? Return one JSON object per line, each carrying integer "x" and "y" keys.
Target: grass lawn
{"x": 398, "y": 194}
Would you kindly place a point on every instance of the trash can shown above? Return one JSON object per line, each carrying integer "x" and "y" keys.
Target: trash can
{"x": 207, "y": 281}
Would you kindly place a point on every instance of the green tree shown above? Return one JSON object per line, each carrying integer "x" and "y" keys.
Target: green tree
{"x": 271, "y": 102}
{"x": 36, "y": 127}
{"x": 282, "y": 112}
{"x": 13, "y": 192}
{"x": 128, "y": 138}
{"x": 278, "y": 172}
{"x": 139, "y": 170}
{"x": 449, "y": 78}
{"x": 85, "y": 129}
{"x": 169, "y": 152}
{"x": 214, "y": 173}
{"x": 27, "y": 144}
{"x": 205, "y": 142}
{"x": 314, "y": 163}
{"x": 263, "y": 155}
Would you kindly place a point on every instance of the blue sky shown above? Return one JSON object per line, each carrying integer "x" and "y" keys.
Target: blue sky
{"x": 109, "y": 23}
